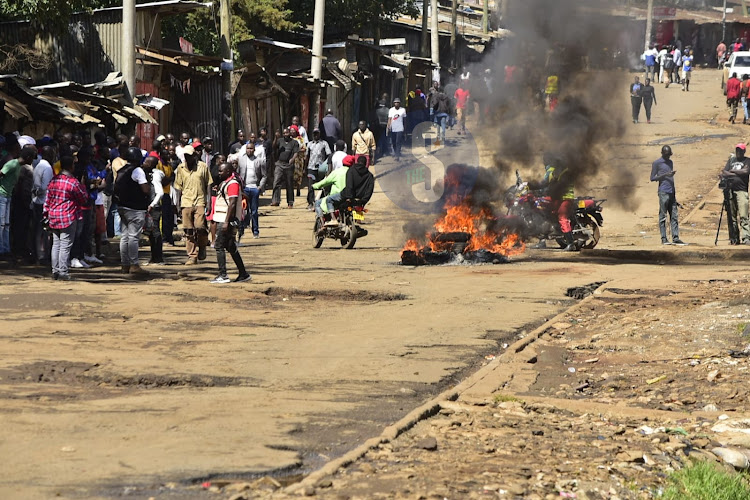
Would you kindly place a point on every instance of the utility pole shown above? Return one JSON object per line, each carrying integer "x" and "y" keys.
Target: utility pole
{"x": 724, "y": 22}
{"x": 227, "y": 66}
{"x": 128, "y": 48}
{"x": 649, "y": 22}
{"x": 454, "y": 20}
{"x": 486, "y": 17}
{"x": 316, "y": 64}
{"x": 425, "y": 30}
{"x": 434, "y": 35}
{"x": 317, "y": 44}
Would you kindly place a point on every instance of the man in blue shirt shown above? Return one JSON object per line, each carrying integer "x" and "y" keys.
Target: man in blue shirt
{"x": 662, "y": 171}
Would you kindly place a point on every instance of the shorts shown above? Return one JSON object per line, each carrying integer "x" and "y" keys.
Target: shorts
{"x": 210, "y": 216}
{"x": 100, "y": 220}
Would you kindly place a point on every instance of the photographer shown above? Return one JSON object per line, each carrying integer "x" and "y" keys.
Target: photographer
{"x": 734, "y": 182}
{"x": 227, "y": 215}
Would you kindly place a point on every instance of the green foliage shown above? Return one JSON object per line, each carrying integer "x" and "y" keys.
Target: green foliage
{"x": 351, "y": 16}
{"x": 706, "y": 481}
{"x": 250, "y": 18}
{"x": 49, "y": 12}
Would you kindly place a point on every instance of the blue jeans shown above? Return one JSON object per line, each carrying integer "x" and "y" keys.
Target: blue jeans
{"x": 62, "y": 243}
{"x": 744, "y": 107}
{"x": 253, "y": 195}
{"x": 331, "y": 201}
{"x": 442, "y": 121}
{"x": 4, "y": 224}
{"x": 397, "y": 138}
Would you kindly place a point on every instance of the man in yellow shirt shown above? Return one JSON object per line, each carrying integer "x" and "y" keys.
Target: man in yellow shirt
{"x": 363, "y": 144}
{"x": 193, "y": 179}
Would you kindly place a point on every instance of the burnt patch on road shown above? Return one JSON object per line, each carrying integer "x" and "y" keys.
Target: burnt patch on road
{"x": 337, "y": 295}
{"x": 581, "y": 292}
{"x": 76, "y": 374}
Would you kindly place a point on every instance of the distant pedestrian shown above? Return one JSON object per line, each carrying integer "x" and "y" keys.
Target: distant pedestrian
{"x": 152, "y": 226}
{"x": 337, "y": 159}
{"x": 662, "y": 59}
{"x": 734, "y": 92}
{"x": 252, "y": 172}
{"x": 237, "y": 144}
{"x": 283, "y": 176}
{"x": 381, "y": 114}
{"x": 734, "y": 178}
{"x": 668, "y": 66}
{"x": 363, "y": 143}
{"x": 228, "y": 216}
{"x": 442, "y": 112}
{"x": 687, "y": 69}
{"x": 635, "y": 98}
{"x": 193, "y": 179}
{"x": 132, "y": 191}
{"x": 300, "y": 130}
{"x": 65, "y": 197}
{"x": 649, "y": 97}
{"x": 331, "y": 128}
{"x": 721, "y": 51}
{"x": 318, "y": 156}
{"x": 677, "y": 61}
{"x": 662, "y": 171}
{"x": 462, "y": 96}
{"x": 551, "y": 91}
{"x": 396, "y": 121}
{"x": 43, "y": 175}
{"x": 649, "y": 57}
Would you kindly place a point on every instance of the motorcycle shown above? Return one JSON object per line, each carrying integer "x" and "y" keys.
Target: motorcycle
{"x": 345, "y": 225}
{"x": 538, "y": 214}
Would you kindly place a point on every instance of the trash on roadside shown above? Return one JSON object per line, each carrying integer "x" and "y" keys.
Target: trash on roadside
{"x": 655, "y": 380}
{"x": 571, "y": 369}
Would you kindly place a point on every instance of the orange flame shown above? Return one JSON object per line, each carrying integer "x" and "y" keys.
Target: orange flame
{"x": 461, "y": 218}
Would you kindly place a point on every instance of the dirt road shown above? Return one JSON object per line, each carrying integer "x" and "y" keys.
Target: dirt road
{"x": 113, "y": 387}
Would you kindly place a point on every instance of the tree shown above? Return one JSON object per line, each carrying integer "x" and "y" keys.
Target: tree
{"x": 49, "y": 12}
{"x": 351, "y": 16}
{"x": 250, "y": 18}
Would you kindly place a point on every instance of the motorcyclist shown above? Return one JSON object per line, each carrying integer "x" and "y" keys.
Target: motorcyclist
{"x": 562, "y": 193}
{"x": 337, "y": 181}
{"x": 360, "y": 183}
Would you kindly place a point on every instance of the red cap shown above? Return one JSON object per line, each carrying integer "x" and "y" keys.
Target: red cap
{"x": 348, "y": 160}
{"x": 740, "y": 146}
{"x": 295, "y": 127}
{"x": 154, "y": 154}
{"x": 197, "y": 144}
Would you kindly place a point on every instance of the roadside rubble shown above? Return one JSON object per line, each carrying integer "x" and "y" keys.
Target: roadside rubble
{"x": 635, "y": 384}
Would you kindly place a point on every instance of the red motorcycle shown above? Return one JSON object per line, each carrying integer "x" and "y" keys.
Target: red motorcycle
{"x": 538, "y": 214}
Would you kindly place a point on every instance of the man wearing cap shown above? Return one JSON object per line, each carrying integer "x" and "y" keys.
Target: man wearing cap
{"x": 193, "y": 179}
{"x": 208, "y": 154}
{"x": 337, "y": 182}
{"x": 734, "y": 180}
{"x": 662, "y": 171}
{"x": 395, "y": 127}
{"x": 318, "y": 153}
{"x": 363, "y": 143}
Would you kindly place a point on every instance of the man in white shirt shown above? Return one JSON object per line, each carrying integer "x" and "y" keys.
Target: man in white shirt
{"x": 252, "y": 169}
{"x": 43, "y": 174}
{"x": 663, "y": 56}
{"x": 155, "y": 238}
{"x": 337, "y": 159}
{"x": 184, "y": 141}
{"x": 396, "y": 120}
{"x": 649, "y": 57}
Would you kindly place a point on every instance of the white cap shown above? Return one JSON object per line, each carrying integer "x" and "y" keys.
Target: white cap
{"x": 25, "y": 140}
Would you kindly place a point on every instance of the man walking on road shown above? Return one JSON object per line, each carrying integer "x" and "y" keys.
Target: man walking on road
{"x": 363, "y": 143}
{"x": 662, "y": 171}
{"x": 252, "y": 171}
{"x": 283, "y": 175}
{"x": 318, "y": 153}
{"x": 734, "y": 92}
{"x": 734, "y": 179}
{"x": 228, "y": 216}
{"x": 132, "y": 192}
{"x": 193, "y": 180}
{"x": 331, "y": 128}
{"x": 635, "y": 98}
{"x": 396, "y": 120}
{"x": 649, "y": 57}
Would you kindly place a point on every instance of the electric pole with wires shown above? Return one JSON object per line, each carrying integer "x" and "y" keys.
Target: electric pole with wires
{"x": 227, "y": 66}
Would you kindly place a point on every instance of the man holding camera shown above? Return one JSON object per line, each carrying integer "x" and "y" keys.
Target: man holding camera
{"x": 734, "y": 182}
{"x": 227, "y": 216}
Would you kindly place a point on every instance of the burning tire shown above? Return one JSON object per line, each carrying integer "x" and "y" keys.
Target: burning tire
{"x": 350, "y": 234}
{"x": 317, "y": 239}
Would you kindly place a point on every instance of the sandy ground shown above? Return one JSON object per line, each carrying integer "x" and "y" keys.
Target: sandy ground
{"x": 114, "y": 387}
